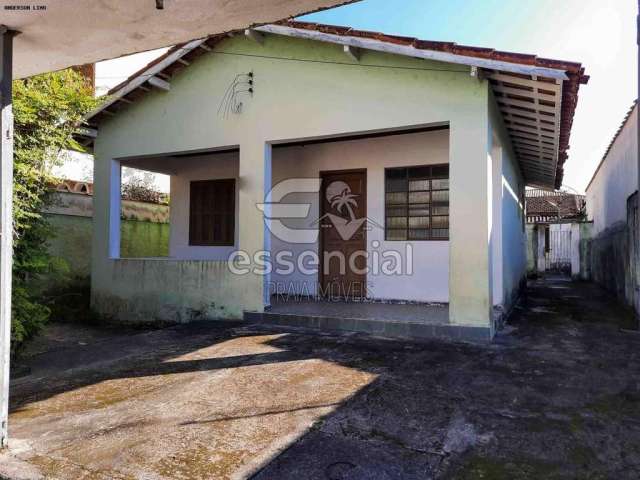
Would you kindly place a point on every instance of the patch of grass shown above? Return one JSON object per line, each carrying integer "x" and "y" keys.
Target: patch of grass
{"x": 618, "y": 405}
{"x": 581, "y": 455}
{"x": 576, "y": 424}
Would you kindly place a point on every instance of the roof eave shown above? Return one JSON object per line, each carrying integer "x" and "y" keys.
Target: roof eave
{"x": 411, "y": 51}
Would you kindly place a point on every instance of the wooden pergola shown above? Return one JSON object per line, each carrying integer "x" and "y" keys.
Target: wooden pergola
{"x": 36, "y": 39}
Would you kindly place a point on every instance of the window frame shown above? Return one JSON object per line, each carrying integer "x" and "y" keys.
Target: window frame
{"x": 232, "y": 215}
{"x": 407, "y": 204}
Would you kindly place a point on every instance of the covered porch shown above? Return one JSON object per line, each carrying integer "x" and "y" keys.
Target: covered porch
{"x": 206, "y": 277}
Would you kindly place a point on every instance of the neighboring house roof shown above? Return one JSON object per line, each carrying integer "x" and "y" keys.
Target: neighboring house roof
{"x": 546, "y": 205}
{"x": 613, "y": 141}
{"x": 74, "y": 186}
{"x": 537, "y": 96}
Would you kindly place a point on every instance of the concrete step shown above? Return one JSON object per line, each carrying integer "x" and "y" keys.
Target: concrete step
{"x": 382, "y": 328}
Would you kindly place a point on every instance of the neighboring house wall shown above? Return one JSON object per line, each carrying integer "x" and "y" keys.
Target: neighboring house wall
{"x": 615, "y": 180}
{"x": 612, "y": 203}
{"x": 428, "y": 280}
{"x": 291, "y": 101}
{"x": 145, "y": 231}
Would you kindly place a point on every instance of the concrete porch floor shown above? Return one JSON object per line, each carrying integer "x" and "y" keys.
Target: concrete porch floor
{"x": 556, "y": 396}
{"x": 430, "y": 314}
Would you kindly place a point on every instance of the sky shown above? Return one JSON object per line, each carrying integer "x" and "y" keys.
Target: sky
{"x": 600, "y": 34}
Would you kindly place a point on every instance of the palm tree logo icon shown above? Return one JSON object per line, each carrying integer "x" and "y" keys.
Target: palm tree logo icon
{"x": 339, "y": 196}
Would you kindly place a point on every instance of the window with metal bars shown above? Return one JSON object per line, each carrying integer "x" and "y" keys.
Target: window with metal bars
{"x": 417, "y": 203}
{"x": 212, "y": 212}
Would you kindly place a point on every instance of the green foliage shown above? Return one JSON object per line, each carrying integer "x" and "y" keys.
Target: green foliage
{"x": 46, "y": 109}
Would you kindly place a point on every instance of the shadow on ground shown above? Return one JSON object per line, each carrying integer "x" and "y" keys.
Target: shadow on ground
{"x": 556, "y": 396}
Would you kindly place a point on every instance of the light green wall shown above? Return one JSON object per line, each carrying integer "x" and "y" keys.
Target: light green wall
{"x": 298, "y": 100}
{"x": 144, "y": 239}
{"x": 72, "y": 241}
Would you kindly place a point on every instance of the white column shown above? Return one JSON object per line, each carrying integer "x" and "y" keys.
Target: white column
{"x": 6, "y": 223}
{"x": 115, "y": 196}
{"x": 542, "y": 252}
{"x": 254, "y": 238}
{"x": 575, "y": 250}
{"x": 470, "y": 219}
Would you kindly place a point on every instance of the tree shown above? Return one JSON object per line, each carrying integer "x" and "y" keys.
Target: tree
{"x": 47, "y": 108}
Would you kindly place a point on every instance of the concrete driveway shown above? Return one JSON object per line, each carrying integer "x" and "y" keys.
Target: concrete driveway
{"x": 556, "y": 396}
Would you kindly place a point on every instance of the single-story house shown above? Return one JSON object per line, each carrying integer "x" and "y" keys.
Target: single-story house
{"x": 556, "y": 232}
{"x": 357, "y": 180}
{"x": 612, "y": 205}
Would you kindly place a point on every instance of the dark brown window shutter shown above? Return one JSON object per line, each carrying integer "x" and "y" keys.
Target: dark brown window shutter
{"x": 212, "y": 212}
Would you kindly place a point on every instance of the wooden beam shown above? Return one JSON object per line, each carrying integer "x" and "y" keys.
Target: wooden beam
{"x": 142, "y": 78}
{"x": 159, "y": 83}
{"x": 88, "y": 132}
{"x": 352, "y": 52}
{"x": 536, "y": 116}
{"x": 504, "y": 77}
{"x": 523, "y": 104}
{"x": 525, "y": 93}
{"x": 254, "y": 35}
{"x": 477, "y": 72}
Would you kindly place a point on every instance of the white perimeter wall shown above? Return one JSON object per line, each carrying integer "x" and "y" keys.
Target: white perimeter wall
{"x": 615, "y": 180}
{"x": 429, "y": 279}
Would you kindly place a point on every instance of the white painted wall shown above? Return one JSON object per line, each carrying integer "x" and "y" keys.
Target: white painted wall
{"x": 188, "y": 169}
{"x": 510, "y": 264}
{"x": 428, "y": 278}
{"x": 615, "y": 179}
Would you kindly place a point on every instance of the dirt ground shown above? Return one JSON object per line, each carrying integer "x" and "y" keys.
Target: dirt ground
{"x": 556, "y": 396}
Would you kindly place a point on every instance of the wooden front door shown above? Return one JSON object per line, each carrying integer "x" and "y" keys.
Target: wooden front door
{"x": 343, "y": 221}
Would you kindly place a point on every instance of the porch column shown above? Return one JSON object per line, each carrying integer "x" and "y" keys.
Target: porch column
{"x": 541, "y": 254}
{"x": 470, "y": 178}
{"x": 6, "y": 222}
{"x": 115, "y": 197}
{"x": 254, "y": 238}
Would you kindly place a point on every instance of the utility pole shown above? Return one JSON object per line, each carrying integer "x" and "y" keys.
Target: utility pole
{"x": 6, "y": 222}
